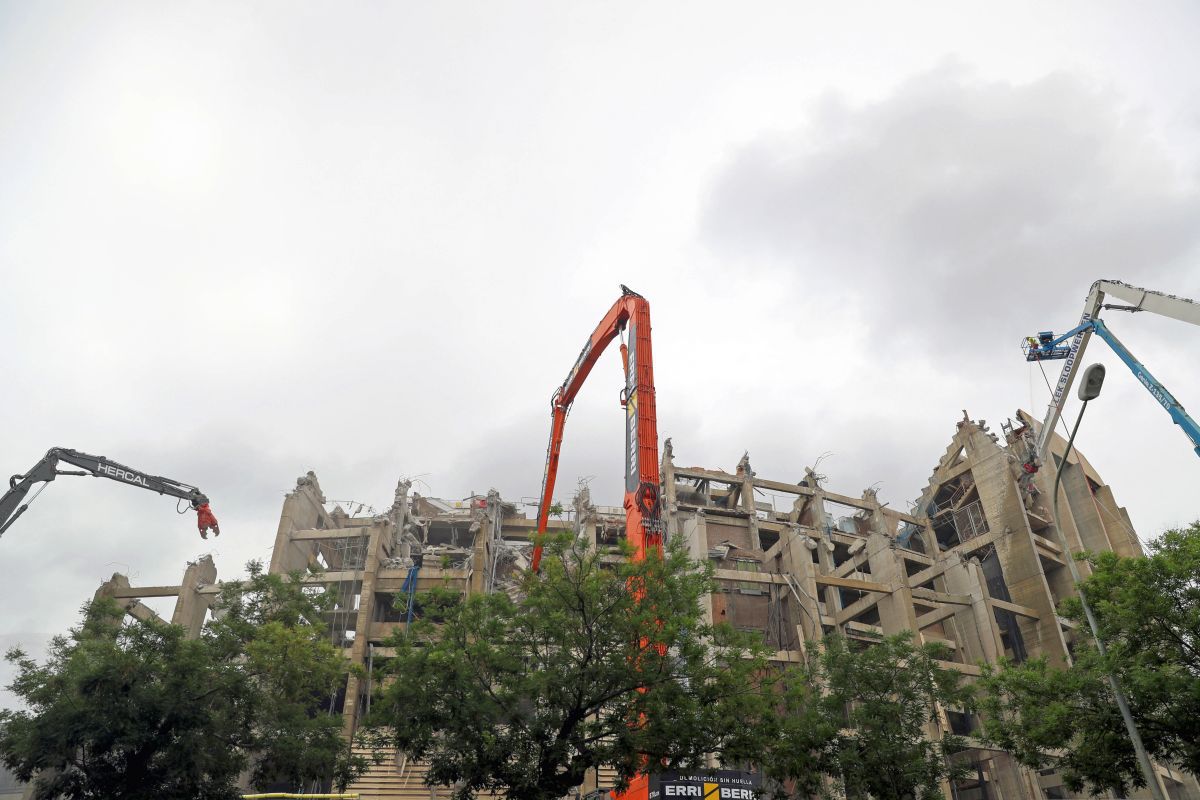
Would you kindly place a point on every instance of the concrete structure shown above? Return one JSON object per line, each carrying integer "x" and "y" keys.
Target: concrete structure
{"x": 10, "y": 787}
{"x": 975, "y": 564}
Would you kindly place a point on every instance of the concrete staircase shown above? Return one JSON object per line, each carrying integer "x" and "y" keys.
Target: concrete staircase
{"x": 394, "y": 778}
{"x": 398, "y": 778}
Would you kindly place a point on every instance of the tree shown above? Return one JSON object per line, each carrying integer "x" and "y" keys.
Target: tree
{"x": 859, "y": 715}
{"x": 798, "y": 759}
{"x": 595, "y": 664}
{"x": 135, "y": 709}
{"x": 1148, "y": 612}
{"x": 1061, "y": 718}
{"x": 275, "y": 630}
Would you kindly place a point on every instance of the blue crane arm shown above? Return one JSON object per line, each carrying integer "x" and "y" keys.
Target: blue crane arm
{"x": 1046, "y": 346}
{"x": 1178, "y": 415}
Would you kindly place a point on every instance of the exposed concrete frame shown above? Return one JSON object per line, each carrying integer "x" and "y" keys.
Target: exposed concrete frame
{"x": 795, "y": 574}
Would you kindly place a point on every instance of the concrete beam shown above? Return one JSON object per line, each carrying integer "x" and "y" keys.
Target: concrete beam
{"x": 942, "y": 597}
{"x": 331, "y": 533}
{"x": 949, "y": 643}
{"x": 853, "y": 583}
{"x": 858, "y": 607}
{"x": 708, "y": 475}
{"x": 926, "y": 575}
{"x": 137, "y": 592}
{"x": 747, "y": 577}
{"x": 852, "y": 564}
{"x": 971, "y": 545}
{"x": 786, "y": 488}
{"x": 336, "y": 576}
{"x": 1024, "y": 611}
{"x": 142, "y": 612}
{"x": 913, "y": 555}
{"x": 1047, "y": 544}
{"x": 965, "y": 669}
{"x": 862, "y": 627}
{"x": 925, "y": 620}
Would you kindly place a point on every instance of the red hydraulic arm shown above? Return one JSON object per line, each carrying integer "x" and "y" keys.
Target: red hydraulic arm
{"x": 643, "y": 528}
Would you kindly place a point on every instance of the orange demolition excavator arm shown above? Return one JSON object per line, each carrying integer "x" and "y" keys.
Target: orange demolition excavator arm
{"x": 643, "y": 525}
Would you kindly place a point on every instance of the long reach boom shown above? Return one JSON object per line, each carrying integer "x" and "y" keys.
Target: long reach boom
{"x": 47, "y": 470}
{"x": 643, "y": 525}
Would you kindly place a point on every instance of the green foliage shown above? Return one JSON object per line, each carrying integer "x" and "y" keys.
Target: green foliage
{"x": 889, "y": 691}
{"x": 1148, "y": 611}
{"x": 274, "y": 629}
{"x": 866, "y": 725}
{"x": 1061, "y": 718}
{"x": 124, "y": 711}
{"x": 524, "y": 696}
{"x": 135, "y": 710}
{"x": 799, "y": 755}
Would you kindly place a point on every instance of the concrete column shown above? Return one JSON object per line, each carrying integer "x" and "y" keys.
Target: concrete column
{"x": 670, "y": 502}
{"x": 978, "y": 636}
{"x": 302, "y": 510}
{"x": 814, "y": 509}
{"x": 746, "y": 500}
{"x": 1004, "y": 509}
{"x": 795, "y": 558}
{"x": 896, "y": 611}
{"x": 696, "y": 534}
{"x": 1072, "y": 530}
{"x": 1116, "y": 521}
{"x": 362, "y": 626}
{"x": 191, "y": 607}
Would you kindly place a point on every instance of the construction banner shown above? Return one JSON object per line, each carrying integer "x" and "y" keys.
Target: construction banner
{"x": 722, "y": 784}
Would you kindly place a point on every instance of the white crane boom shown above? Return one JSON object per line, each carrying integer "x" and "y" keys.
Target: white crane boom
{"x": 1139, "y": 299}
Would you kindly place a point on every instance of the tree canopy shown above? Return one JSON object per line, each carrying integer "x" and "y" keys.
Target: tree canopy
{"x": 857, "y": 718}
{"x": 1148, "y": 612}
{"x": 598, "y": 661}
{"x": 135, "y": 709}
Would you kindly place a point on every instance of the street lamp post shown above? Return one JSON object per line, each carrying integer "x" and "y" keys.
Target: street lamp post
{"x": 1089, "y": 389}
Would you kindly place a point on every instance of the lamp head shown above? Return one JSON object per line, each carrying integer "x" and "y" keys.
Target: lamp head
{"x": 1093, "y": 379}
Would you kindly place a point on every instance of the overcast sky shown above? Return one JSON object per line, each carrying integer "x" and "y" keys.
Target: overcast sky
{"x": 241, "y": 241}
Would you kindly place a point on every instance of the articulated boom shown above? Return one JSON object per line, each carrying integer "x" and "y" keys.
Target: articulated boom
{"x": 643, "y": 527}
{"x": 47, "y": 470}
{"x": 1046, "y": 346}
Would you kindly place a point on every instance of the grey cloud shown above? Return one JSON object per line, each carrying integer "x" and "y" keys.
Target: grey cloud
{"x": 956, "y": 193}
